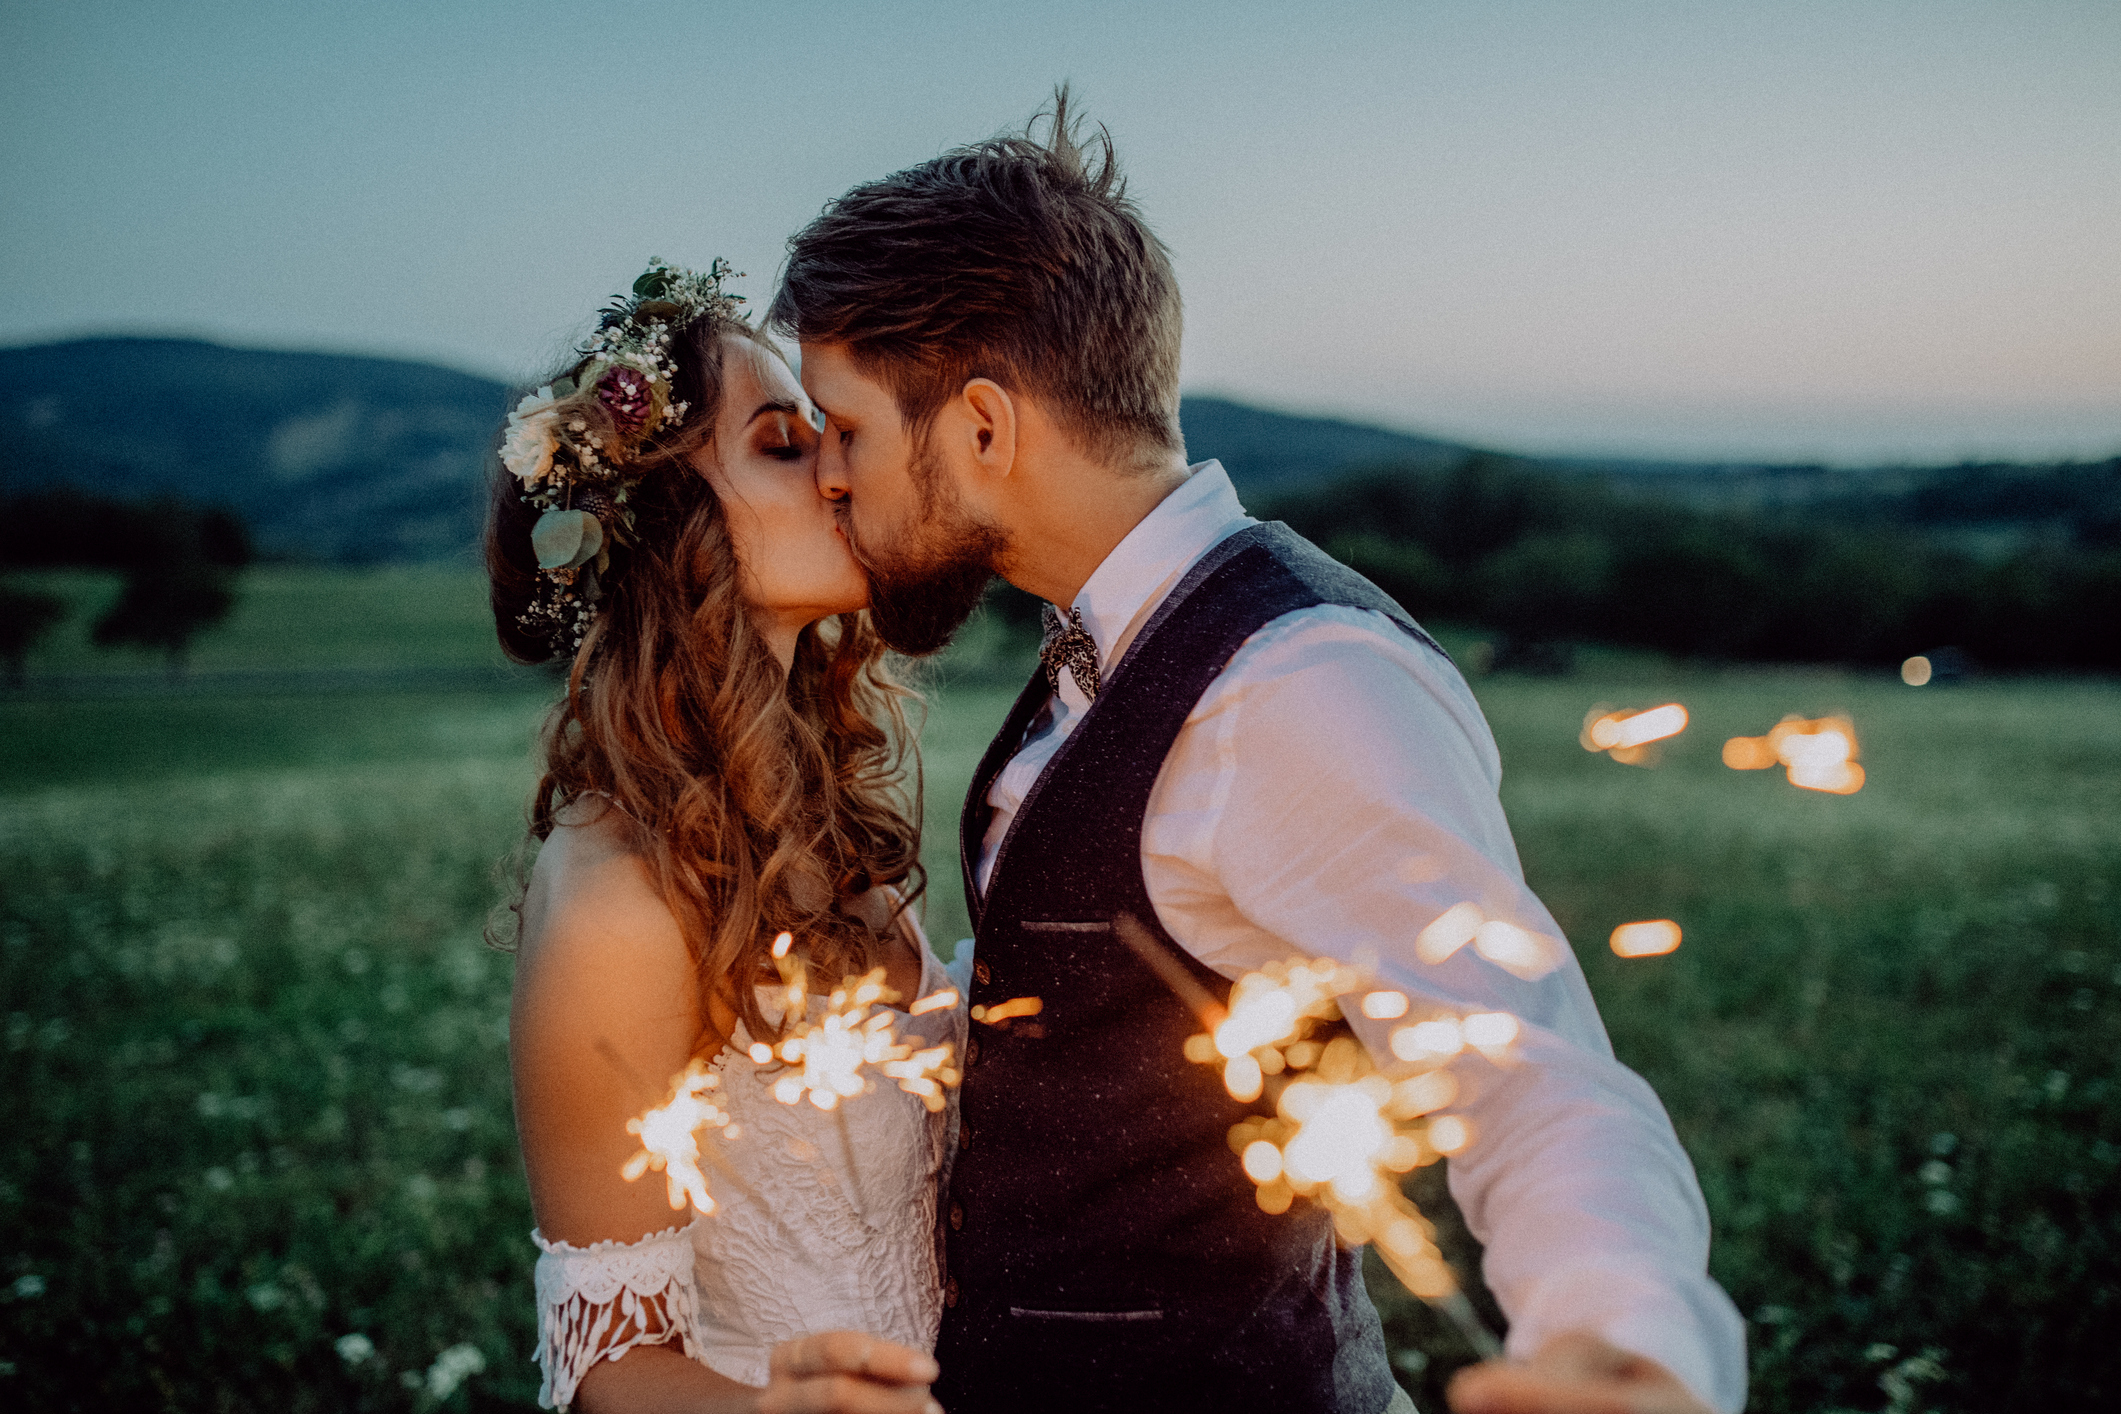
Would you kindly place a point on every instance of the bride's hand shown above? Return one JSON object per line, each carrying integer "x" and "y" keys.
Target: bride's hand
{"x": 846, "y": 1372}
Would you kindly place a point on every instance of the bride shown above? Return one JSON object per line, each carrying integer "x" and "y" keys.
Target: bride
{"x": 723, "y": 768}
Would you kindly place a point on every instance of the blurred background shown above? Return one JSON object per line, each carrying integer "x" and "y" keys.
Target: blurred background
{"x": 1765, "y": 359}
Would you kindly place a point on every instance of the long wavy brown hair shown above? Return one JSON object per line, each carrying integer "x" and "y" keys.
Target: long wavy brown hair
{"x": 761, "y": 802}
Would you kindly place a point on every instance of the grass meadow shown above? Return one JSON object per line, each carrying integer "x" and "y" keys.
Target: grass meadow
{"x": 258, "y": 1150}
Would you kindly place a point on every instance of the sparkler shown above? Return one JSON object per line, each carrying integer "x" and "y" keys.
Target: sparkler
{"x": 828, "y": 1057}
{"x": 856, "y": 1033}
{"x": 670, "y": 1137}
{"x": 1627, "y": 736}
{"x": 1819, "y": 754}
{"x": 1341, "y": 1134}
{"x": 830, "y": 1060}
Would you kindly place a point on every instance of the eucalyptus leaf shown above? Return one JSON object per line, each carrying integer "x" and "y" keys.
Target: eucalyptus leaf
{"x": 565, "y": 539}
{"x": 562, "y": 388}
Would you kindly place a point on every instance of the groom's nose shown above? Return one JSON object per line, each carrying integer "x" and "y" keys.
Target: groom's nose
{"x": 832, "y": 469}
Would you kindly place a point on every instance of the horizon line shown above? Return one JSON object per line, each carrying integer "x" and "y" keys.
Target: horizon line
{"x": 1586, "y": 450}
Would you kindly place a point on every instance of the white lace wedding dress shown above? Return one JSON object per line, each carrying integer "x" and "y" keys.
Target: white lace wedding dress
{"x": 820, "y": 1225}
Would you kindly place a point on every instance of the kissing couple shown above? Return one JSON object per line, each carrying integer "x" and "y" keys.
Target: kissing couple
{"x": 1232, "y": 751}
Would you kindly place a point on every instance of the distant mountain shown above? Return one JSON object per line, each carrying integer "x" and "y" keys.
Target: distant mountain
{"x": 1276, "y": 451}
{"x": 337, "y": 457}
{"x": 327, "y": 456}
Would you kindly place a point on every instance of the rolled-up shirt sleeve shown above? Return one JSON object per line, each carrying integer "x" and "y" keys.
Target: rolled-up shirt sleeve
{"x": 1333, "y": 794}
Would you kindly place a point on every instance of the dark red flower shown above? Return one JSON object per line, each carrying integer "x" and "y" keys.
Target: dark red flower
{"x": 625, "y": 393}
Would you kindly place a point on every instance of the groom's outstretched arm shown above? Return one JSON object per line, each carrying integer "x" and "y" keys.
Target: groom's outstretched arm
{"x": 1334, "y": 793}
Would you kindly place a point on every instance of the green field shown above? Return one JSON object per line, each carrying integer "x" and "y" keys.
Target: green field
{"x": 258, "y": 1056}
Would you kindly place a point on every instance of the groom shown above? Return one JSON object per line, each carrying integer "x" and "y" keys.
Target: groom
{"x": 1244, "y": 751}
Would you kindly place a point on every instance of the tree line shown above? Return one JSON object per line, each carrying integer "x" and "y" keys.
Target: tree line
{"x": 180, "y": 563}
{"x": 1547, "y": 559}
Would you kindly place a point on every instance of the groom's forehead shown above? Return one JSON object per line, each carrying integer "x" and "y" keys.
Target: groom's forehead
{"x": 840, "y": 386}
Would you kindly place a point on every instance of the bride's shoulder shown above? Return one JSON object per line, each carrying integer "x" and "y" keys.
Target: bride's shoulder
{"x": 591, "y": 898}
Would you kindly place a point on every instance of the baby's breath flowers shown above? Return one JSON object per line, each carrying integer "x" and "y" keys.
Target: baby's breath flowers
{"x": 573, "y": 445}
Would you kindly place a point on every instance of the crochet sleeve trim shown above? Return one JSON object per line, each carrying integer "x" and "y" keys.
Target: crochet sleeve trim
{"x": 600, "y": 1301}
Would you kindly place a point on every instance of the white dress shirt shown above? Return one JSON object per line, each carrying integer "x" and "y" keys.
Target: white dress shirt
{"x": 1334, "y": 792}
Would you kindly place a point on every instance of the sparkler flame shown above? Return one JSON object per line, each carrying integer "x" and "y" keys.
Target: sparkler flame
{"x": 830, "y": 1056}
{"x": 1341, "y": 1137}
{"x": 1342, "y": 1133}
{"x": 670, "y": 1137}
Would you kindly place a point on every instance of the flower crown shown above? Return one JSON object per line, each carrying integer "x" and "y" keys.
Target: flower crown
{"x": 574, "y": 445}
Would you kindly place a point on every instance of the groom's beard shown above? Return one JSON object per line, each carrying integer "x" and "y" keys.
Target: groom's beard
{"x": 923, "y": 589}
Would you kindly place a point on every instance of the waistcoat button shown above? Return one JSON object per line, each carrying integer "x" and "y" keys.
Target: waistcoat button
{"x": 964, "y": 1136}
{"x": 957, "y": 1217}
{"x": 972, "y": 1050}
{"x": 980, "y": 972}
{"x": 950, "y": 1292}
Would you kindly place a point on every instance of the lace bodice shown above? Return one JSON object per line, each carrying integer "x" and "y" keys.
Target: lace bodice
{"x": 824, "y": 1221}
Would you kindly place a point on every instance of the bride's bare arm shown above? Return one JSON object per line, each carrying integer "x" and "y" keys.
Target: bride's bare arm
{"x": 606, "y": 1011}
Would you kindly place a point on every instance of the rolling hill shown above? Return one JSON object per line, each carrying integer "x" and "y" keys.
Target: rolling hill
{"x": 352, "y": 459}
{"x": 329, "y": 457}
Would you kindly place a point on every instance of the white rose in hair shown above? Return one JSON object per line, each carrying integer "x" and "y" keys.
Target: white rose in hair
{"x": 527, "y": 449}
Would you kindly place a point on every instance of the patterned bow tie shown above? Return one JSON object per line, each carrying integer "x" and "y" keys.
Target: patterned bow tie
{"x": 1067, "y": 644}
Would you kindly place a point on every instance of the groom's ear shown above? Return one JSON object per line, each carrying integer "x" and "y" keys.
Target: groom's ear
{"x": 991, "y": 422}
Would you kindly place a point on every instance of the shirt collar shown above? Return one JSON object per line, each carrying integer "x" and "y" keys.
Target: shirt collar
{"x": 1199, "y": 513}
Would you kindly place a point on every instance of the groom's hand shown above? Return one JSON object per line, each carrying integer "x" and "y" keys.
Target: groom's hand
{"x": 1574, "y": 1373}
{"x": 846, "y": 1372}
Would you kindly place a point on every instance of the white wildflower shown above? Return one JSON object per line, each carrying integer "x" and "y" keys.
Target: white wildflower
{"x": 355, "y": 1348}
{"x": 528, "y": 448}
{"x": 451, "y": 1368}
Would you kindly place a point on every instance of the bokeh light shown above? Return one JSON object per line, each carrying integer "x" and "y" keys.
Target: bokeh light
{"x": 1654, "y": 938}
{"x": 1820, "y": 754}
{"x": 1628, "y": 737}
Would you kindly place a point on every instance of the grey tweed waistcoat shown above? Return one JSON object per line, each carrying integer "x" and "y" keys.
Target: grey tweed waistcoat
{"x": 1104, "y": 1248}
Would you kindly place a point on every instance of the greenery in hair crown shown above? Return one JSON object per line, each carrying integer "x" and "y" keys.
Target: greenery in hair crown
{"x": 574, "y": 444}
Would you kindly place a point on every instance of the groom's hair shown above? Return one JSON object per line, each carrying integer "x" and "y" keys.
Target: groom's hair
{"x": 1016, "y": 259}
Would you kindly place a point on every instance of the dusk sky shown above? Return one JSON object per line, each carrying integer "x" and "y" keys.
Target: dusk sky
{"x": 1857, "y": 230}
